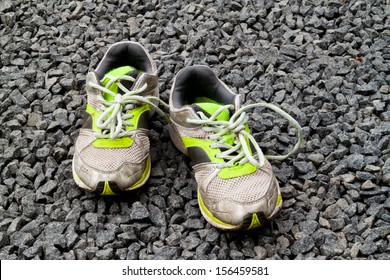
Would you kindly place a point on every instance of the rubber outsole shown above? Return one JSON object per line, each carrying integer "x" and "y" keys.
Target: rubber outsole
{"x": 110, "y": 187}
{"x": 251, "y": 220}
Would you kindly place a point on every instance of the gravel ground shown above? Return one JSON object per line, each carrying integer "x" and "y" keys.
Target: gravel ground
{"x": 326, "y": 62}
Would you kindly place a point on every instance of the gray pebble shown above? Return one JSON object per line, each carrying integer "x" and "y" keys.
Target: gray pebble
{"x": 150, "y": 234}
{"x": 21, "y": 238}
{"x": 302, "y": 245}
{"x": 157, "y": 216}
{"x": 105, "y": 254}
{"x": 103, "y": 237}
{"x": 138, "y": 211}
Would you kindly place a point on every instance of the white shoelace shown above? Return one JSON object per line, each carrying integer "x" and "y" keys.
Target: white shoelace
{"x": 240, "y": 151}
{"x": 115, "y": 117}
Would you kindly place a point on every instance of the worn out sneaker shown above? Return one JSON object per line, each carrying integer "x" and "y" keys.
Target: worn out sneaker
{"x": 112, "y": 149}
{"x": 237, "y": 188}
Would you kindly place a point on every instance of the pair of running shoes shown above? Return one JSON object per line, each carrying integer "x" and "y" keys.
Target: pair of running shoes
{"x": 237, "y": 188}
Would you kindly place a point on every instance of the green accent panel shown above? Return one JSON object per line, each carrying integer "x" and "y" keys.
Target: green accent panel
{"x": 117, "y": 72}
{"x": 255, "y": 222}
{"x": 205, "y": 145}
{"x": 211, "y": 108}
{"x": 107, "y": 190}
{"x": 123, "y": 142}
{"x": 279, "y": 201}
{"x": 202, "y": 99}
{"x": 120, "y": 71}
{"x": 228, "y": 139}
{"x": 137, "y": 112}
{"x": 236, "y": 171}
{"x": 209, "y": 214}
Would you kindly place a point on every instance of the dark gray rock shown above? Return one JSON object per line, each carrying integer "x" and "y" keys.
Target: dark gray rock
{"x": 190, "y": 243}
{"x": 334, "y": 245}
{"x": 157, "y": 216}
{"x": 337, "y": 224}
{"x": 48, "y": 188}
{"x": 133, "y": 250}
{"x": 302, "y": 245}
{"x": 368, "y": 248}
{"x": 386, "y": 167}
{"x": 236, "y": 255}
{"x": 103, "y": 237}
{"x": 308, "y": 227}
{"x": 355, "y": 162}
{"x": 44, "y": 152}
{"x": 332, "y": 211}
{"x": 375, "y": 209}
{"x": 174, "y": 239}
{"x": 71, "y": 238}
{"x": 212, "y": 235}
{"x": 194, "y": 224}
{"x": 128, "y": 235}
{"x": 150, "y": 234}
{"x": 105, "y": 254}
{"x": 167, "y": 253}
{"x": 16, "y": 225}
{"x": 138, "y": 211}
{"x": 202, "y": 250}
{"x": 367, "y": 89}
{"x": 5, "y": 6}
{"x": 4, "y": 239}
{"x": 21, "y": 238}
{"x": 34, "y": 251}
{"x": 304, "y": 167}
{"x": 18, "y": 99}
{"x": 261, "y": 252}
{"x": 175, "y": 201}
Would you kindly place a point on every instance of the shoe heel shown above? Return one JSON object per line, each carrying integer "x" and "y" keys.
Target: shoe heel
{"x": 176, "y": 140}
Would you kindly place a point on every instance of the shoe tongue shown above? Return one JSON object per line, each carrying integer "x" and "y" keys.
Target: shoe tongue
{"x": 209, "y": 108}
{"x": 118, "y": 72}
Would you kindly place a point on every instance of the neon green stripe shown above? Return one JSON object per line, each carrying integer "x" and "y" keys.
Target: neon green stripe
{"x": 107, "y": 190}
{"x": 279, "y": 200}
{"x": 205, "y": 99}
{"x": 255, "y": 222}
{"x": 117, "y": 72}
{"x": 211, "y": 108}
{"x": 205, "y": 145}
{"x": 137, "y": 112}
{"x": 236, "y": 171}
{"x": 124, "y": 142}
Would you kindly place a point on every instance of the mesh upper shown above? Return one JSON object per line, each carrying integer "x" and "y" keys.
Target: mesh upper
{"x": 85, "y": 138}
{"x": 201, "y": 173}
{"x": 244, "y": 189}
{"x": 108, "y": 160}
{"x": 93, "y": 101}
{"x": 191, "y": 132}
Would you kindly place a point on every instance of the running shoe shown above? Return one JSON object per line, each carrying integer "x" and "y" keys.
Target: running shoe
{"x": 237, "y": 188}
{"x": 112, "y": 150}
